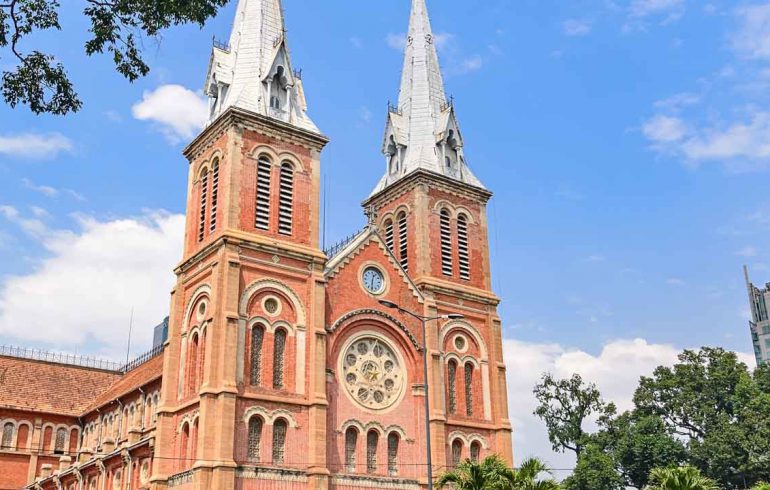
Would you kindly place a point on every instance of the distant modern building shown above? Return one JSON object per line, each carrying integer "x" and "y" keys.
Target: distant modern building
{"x": 759, "y": 324}
{"x": 160, "y": 334}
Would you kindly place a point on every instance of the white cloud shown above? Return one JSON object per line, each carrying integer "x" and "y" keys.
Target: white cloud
{"x": 91, "y": 280}
{"x": 675, "y": 281}
{"x": 644, "y": 8}
{"x": 753, "y": 38}
{"x": 576, "y": 27}
{"x": 615, "y": 370}
{"x": 396, "y": 41}
{"x": 177, "y": 112}
{"x": 748, "y": 251}
{"x": 46, "y": 190}
{"x": 34, "y": 146}
{"x": 678, "y": 101}
{"x": 468, "y": 65}
{"x": 664, "y": 129}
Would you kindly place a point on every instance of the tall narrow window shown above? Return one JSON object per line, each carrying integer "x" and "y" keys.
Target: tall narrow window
{"x": 452, "y": 386}
{"x": 279, "y": 441}
{"x": 204, "y": 201}
{"x": 446, "y": 244}
{"x": 463, "y": 252}
{"x": 286, "y": 199}
{"x": 468, "y": 389}
{"x": 214, "y": 195}
{"x": 279, "y": 349}
{"x": 475, "y": 451}
{"x": 255, "y": 438}
{"x": 389, "y": 235}
{"x": 372, "y": 439}
{"x": 201, "y": 359}
{"x": 193, "y": 365}
{"x": 7, "y": 436}
{"x": 457, "y": 452}
{"x": 393, "y": 440}
{"x": 351, "y": 441}
{"x": 61, "y": 439}
{"x": 194, "y": 441}
{"x": 263, "y": 194}
{"x": 257, "y": 339}
{"x": 184, "y": 441}
{"x": 403, "y": 241}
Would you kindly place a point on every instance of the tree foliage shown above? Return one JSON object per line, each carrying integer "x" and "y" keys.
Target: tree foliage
{"x": 595, "y": 470}
{"x": 117, "y": 27}
{"x": 527, "y": 477}
{"x": 490, "y": 474}
{"x": 565, "y": 405}
{"x": 680, "y": 478}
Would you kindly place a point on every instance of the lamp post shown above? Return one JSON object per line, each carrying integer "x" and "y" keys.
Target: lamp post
{"x": 424, "y": 321}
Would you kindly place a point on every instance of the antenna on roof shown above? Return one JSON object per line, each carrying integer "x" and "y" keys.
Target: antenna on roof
{"x": 130, "y": 327}
{"x": 323, "y": 225}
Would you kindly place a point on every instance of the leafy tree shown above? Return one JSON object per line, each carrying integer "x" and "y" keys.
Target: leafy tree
{"x": 595, "y": 470}
{"x": 526, "y": 477}
{"x": 565, "y": 405}
{"x": 490, "y": 474}
{"x": 761, "y": 486}
{"x": 680, "y": 478}
{"x": 117, "y": 27}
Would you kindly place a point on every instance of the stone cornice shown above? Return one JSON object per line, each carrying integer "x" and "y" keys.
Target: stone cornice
{"x": 432, "y": 179}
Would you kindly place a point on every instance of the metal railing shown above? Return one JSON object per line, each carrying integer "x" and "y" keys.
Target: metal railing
{"x": 141, "y": 359}
{"x": 59, "y": 358}
{"x": 220, "y": 45}
{"x": 337, "y": 247}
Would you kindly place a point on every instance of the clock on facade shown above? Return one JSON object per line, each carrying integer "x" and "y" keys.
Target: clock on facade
{"x": 371, "y": 372}
{"x": 374, "y": 282}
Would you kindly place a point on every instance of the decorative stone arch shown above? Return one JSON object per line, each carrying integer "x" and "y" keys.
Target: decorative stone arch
{"x": 203, "y": 289}
{"x": 467, "y": 328}
{"x": 482, "y": 363}
{"x": 208, "y": 161}
{"x": 285, "y": 415}
{"x": 261, "y": 149}
{"x": 467, "y": 439}
{"x": 463, "y": 211}
{"x": 270, "y": 327}
{"x": 30, "y": 428}
{"x": 444, "y": 204}
{"x": 297, "y": 331}
{"x": 461, "y": 361}
{"x": 292, "y": 159}
{"x": 270, "y": 416}
{"x": 391, "y": 321}
{"x": 252, "y": 412}
{"x": 14, "y": 434}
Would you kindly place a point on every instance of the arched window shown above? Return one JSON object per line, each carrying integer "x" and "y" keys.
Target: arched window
{"x": 255, "y": 437}
{"x": 214, "y": 194}
{"x": 61, "y": 440}
{"x": 463, "y": 252}
{"x": 279, "y": 350}
{"x": 257, "y": 339}
{"x": 351, "y": 441}
{"x": 263, "y": 193}
{"x": 184, "y": 441}
{"x": 201, "y": 358}
{"x": 446, "y": 244}
{"x": 279, "y": 441}
{"x": 155, "y": 409}
{"x": 372, "y": 439}
{"x": 393, "y": 440}
{"x": 194, "y": 441}
{"x": 475, "y": 451}
{"x": 457, "y": 452}
{"x": 7, "y": 441}
{"x": 22, "y": 436}
{"x": 468, "y": 389}
{"x": 389, "y": 235}
{"x": 286, "y": 199}
{"x": 192, "y": 365}
{"x": 403, "y": 241}
{"x": 452, "y": 385}
{"x": 203, "y": 202}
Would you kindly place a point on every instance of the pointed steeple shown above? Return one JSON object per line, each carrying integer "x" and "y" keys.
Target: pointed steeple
{"x": 254, "y": 72}
{"x": 422, "y": 131}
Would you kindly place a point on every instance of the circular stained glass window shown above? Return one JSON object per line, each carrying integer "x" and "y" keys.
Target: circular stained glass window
{"x": 271, "y": 306}
{"x": 372, "y": 372}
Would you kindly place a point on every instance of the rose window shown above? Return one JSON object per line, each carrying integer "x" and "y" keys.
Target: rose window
{"x": 372, "y": 373}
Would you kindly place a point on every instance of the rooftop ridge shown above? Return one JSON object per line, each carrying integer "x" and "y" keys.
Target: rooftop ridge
{"x": 78, "y": 360}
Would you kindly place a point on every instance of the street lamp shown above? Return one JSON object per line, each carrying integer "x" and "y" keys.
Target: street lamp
{"x": 424, "y": 320}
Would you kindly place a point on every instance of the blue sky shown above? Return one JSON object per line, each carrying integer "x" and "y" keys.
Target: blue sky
{"x": 626, "y": 143}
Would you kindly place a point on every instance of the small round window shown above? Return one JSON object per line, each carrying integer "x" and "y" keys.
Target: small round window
{"x": 460, "y": 343}
{"x": 271, "y": 306}
{"x": 201, "y": 313}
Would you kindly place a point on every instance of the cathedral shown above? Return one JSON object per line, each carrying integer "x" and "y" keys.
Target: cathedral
{"x": 287, "y": 366}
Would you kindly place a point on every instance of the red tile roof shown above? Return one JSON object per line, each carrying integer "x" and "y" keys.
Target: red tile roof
{"x": 145, "y": 373}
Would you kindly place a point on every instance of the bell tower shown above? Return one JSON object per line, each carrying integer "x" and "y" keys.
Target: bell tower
{"x": 432, "y": 211}
{"x": 240, "y": 386}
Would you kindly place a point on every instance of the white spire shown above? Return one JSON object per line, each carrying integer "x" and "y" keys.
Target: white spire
{"x": 254, "y": 72}
{"x": 422, "y": 132}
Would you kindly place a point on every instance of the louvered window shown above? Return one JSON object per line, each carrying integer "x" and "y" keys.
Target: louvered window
{"x": 403, "y": 242}
{"x": 279, "y": 349}
{"x": 257, "y": 339}
{"x": 7, "y": 436}
{"x": 446, "y": 244}
{"x": 214, "y": 195}
{"x": 452, "y": 385}
{"x": 255, "y": 438}
{"x": 351, "y": 441}
{"x": 475, "y": 451}
{"x": 279, "y": 441}
{"x": 457, "y": 452}
{"x": 463, "y": 252}
{"x": 469, "y": 389}
{"x": 389, "y": 235}
{"x": 372, "y": 439}
{"x": 393, "y": 440}
{"x": 61, "y": 439}
{"x": 203, "y": 203}
{"x": 286, "y": 200}
{"x": 263, "y": 194}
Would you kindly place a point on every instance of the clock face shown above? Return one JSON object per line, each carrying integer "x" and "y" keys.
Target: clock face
{"x": 371, "y": 372}
{"x": 373, "y": 280}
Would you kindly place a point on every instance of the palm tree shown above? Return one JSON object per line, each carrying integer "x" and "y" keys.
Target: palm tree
{"x": 761, "y": 486}
{"x": 490, "y": 474}
{"x": 525, "y": 478}
{"x": 681, "y": 478}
